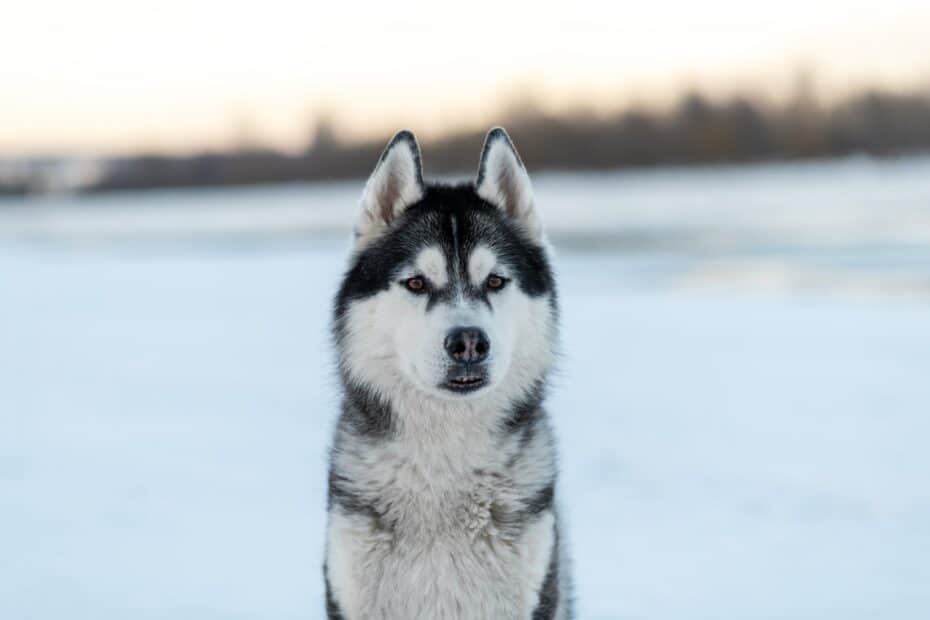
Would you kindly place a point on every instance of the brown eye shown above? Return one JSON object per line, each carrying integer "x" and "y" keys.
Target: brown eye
{"x": 495, "y": 282}
{"x": 415, "y": 284}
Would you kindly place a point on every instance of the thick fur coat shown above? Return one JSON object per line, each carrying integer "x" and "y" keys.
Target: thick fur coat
{"x": 442, "y": 481}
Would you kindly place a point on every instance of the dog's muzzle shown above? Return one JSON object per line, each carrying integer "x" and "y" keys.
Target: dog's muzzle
{"x": 467, "y": 348}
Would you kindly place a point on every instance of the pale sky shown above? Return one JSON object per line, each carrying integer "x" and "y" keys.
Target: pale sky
{"x": 105, "y": 76}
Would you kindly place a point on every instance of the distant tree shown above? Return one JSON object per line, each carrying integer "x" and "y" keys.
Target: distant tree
{"x": 697, "y": 131}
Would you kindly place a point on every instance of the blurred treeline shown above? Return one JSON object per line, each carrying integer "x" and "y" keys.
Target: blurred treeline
{"x": 696, "y": 130}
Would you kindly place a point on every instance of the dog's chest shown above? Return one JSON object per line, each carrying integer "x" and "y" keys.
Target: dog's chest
{"x": 437, "y": 543}
{"x": 441, "y": 491}
{"x": 445, "y": 577}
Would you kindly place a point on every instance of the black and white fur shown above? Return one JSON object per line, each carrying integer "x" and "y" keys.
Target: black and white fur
{"x": 442, "y": 478}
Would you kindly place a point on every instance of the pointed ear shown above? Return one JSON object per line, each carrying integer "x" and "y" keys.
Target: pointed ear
{"x": 395, "y": 184}
{"x": 503, "y": 181}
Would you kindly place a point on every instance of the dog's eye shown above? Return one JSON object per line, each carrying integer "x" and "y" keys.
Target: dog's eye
{"x": 416, "y": 284}
{"x": 495, "y": 282}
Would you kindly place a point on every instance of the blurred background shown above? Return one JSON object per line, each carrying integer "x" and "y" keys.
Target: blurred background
{"x": 739, "y": 196}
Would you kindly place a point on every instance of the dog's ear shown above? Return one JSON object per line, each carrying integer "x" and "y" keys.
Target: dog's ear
{"x": 503, "y": 181}
{"x": 395, "y": 184}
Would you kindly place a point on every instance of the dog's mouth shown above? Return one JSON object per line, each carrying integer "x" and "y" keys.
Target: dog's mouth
{"x": 467, "y": 381}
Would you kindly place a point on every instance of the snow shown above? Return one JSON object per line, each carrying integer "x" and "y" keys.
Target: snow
{"x": 730, "y": 448}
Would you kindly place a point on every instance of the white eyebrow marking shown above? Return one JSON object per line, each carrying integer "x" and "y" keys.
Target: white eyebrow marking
{"x": 432, "y": 263}
{"x": 480, "y": 264}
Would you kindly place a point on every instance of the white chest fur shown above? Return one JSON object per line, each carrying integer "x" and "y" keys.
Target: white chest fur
{"x": 437, "y": 537}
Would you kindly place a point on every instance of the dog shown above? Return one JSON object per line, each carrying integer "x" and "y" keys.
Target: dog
{"x": 442, "y": 478}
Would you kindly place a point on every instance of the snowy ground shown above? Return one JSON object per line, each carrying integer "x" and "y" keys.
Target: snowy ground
{"x": 164, "y": 415}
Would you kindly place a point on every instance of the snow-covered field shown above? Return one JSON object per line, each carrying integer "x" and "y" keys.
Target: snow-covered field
{"x": 743, "y": 404}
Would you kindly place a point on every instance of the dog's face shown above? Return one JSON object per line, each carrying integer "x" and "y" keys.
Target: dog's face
{"x": 449, "y": 291}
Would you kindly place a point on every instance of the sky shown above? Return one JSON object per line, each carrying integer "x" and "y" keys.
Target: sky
{"x": 105, "y": 76}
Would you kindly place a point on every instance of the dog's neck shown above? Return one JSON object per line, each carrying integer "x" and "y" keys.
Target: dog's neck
{"x": 417, "y": 415}
{"x": 423, "y": 459}
{"x": 441, "y": 432}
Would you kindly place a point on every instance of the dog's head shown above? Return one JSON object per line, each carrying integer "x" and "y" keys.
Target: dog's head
{"x": 449, "y": 291}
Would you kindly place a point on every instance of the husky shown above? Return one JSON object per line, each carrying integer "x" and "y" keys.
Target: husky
{"x": 442, "y": 479}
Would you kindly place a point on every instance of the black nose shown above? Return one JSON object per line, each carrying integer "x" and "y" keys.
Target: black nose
{"x": 467, "y": 344}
